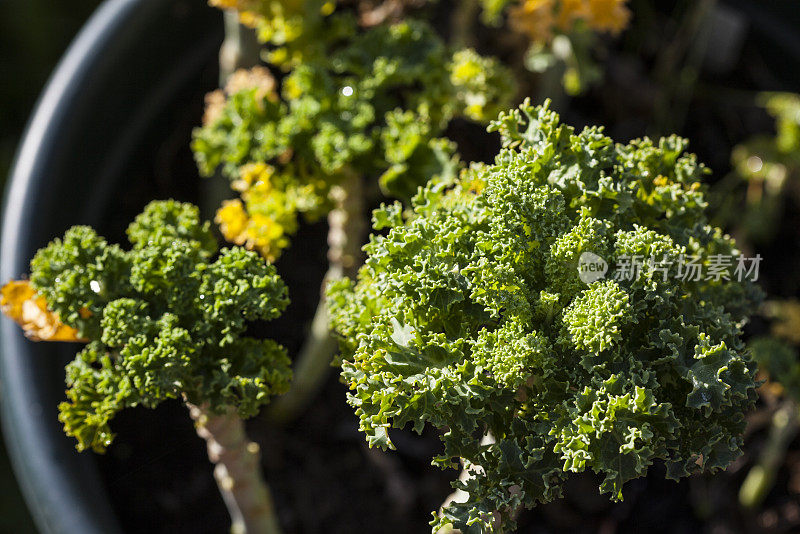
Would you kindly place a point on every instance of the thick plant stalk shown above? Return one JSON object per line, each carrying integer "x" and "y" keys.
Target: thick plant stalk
{"x": 457, "y": 496}
{"x": 239, "y": 50}
{"x": 237, "y": 471}
{"x": 760, "y": 479}
{"x": 346, "y": 227}
{"x": 460, "y": 495}
{"x": 345, "y": 230}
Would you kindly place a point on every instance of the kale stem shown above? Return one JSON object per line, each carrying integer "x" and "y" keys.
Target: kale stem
{"x": 460, "y": 496}
{"x": 239, "y": 50}
{"x": 678, "y": 65}
{"x": 346, "y": 227}
{"x": 237, "y": 471}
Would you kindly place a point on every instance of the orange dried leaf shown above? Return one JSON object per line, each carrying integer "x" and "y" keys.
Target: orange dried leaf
{"x": 19, "y": 301}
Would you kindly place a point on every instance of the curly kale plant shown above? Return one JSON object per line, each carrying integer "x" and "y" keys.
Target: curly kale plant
{"x": 470, "y": 315}
{"x": 372, "y": 103}
{"x": 164, "y": 320}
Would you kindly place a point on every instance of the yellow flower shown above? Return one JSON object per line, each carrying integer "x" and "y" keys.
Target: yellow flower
{"x": 660, "y": 181}
{"x": 569, "y": 12}
{"x": 535, "y": 18}
{"x": 255, "y": 176}
{"x": 608, "y": 15}
{"x": 257, "y": 231}
{"x": 266, "y": 236}
{"x": 226, "y": 4}
{"x": 538, "y": 18}
{"x": 249, "y": 10}
{"x": 232, "y": 221}
{"x": 277, "y": 21}
{"x": 264, "y": 230}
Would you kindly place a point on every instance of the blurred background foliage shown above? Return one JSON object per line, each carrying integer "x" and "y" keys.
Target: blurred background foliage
{"x": 33, "y": 36}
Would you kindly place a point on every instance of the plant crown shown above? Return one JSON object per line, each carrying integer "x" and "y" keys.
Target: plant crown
{"x": 166, "y": 319}
{"x": 469, "y": 315}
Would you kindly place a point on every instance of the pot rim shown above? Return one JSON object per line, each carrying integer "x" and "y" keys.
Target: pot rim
{"x": 55, "y": 506}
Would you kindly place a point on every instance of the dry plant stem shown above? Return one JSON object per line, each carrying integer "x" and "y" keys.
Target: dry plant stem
{"x": 346, "y": 227}
{"x": 239, "y": 50}
{"x": 237, "y": 471}
{"x": 760, "y": 479}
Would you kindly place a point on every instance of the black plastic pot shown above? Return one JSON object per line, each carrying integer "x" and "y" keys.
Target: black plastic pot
{"x": 105, "y": 110}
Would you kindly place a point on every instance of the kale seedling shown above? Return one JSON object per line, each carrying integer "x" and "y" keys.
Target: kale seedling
{"x": 166, "y": 319}
{"x": 470, "y": 315}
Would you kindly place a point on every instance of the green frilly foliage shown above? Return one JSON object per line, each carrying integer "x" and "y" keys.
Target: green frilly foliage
{"x": 166, "y": 319}
{"x": 469, "y": 315}
{"x": 374, "y": 102}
